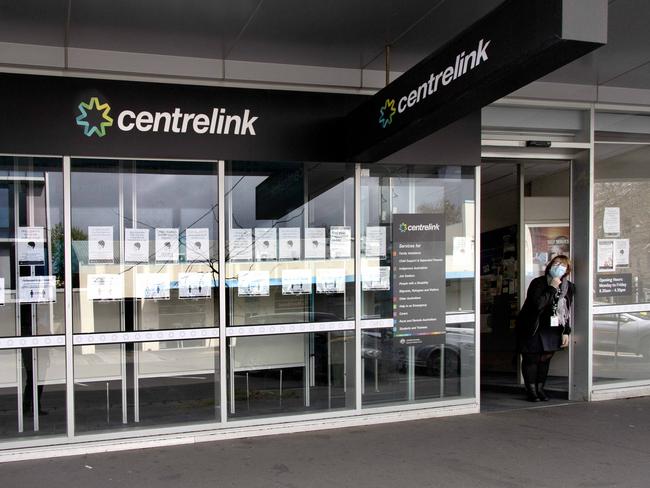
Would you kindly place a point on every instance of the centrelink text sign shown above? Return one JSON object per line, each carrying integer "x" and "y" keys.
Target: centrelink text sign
{"x": 515, "y": 44}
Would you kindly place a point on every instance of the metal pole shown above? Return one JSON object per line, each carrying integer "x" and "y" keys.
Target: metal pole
{"x": 67, "y": 253}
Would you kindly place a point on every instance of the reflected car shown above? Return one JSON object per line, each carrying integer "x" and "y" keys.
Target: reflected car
{"x": 623, "y": 332}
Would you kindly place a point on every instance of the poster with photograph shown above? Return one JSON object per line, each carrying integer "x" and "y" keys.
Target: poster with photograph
{"x": 30, "y": 246}
{"x": 194, "y": 285}
{"x": 167, "y": 245}
{"x": 340, "y": 240}
{"x": 266, "y": 243}
{"x": 2, "y": 291}
{"x": 240, "y": 245}
{"x": 315, "y": 243}
{"x": 296, "y": 281}
{"x": 330, "y": 280}
{"x": 612, "y": 220}
{"x": 136, "y": 246}
{"x": 375, "y": 278}
{"x": 36, "y": 289}
{"x": 375, "y": 242}
{"x": 622, "y": 253}
{"x": 605, "y": 255}
{"x": 253, "y": 284}
{"x": 152, "y": 286}
{"x": 100, "y": 244}
{"x": 289, "y": 238}
{"x": 105, "y": 287}
{"x": 197, "y": 244}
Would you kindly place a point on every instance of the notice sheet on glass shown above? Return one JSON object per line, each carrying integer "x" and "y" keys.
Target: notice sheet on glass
{"x": 152, "y": 286}
{"x": 296, "y": 281}
{"x": 30, "y": 246}
{"x": 100, "y": 244}
{"x": 376, "y": 242}
{"x": 136, "y": 246}
{"x": 253, "y": 284}
{"x": 289, "y": 238}
{"x": 266, "y": 243}
{"x": 418, "y": 276}
{"x": 340, "y": 240}
{"x": 167, "y": 245}
{"x": 375, "y": 278}
{"x": 240, "y": 245}
{"x": 197, "y": 244}
{"x": 194, "y": 285}
{"x": 105, "y": 287}
{"x": 605, "y": 255}
{"x": 330, "y": 280}
{"x": 36, "y": 289}
{"x": 315, "y": 243}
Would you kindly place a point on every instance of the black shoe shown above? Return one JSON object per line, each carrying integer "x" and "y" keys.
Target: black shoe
{"x": 540, "y": 392}
{"x": 531, "y": 394}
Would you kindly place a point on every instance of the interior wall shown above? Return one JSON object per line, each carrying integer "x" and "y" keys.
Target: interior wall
{"x": 499, "y": 211}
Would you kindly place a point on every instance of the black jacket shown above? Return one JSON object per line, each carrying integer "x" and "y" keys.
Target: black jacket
{"x": 534, "y": 331}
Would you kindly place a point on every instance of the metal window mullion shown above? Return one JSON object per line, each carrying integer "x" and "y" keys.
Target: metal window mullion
{"x": 19, "y": 358}
{"x": 477, "y": 283}
{"x": 67, "y": 253}
{"x": 223, "y": 381}
{"x": 357, "y": 287}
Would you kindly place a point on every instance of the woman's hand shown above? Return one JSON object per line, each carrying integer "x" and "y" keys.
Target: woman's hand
{"x": 565, "y": 340}
{"x": 555, "y": 282}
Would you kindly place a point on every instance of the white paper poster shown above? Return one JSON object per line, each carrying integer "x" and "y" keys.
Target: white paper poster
{"x": 289, "y": 239}
{"x": 315, "y": 243}
{"x": 37, "y": 289}
{"x": 606, "y": 255}
{"x": 253, "y": 283}
{"x": 266, "y": 243}
{"x": 330, "y": 280}
{"x": 152, "y": 286}
{"x": 612, "y": 220}
{"x": 375, "y": 278}
{"x": 340, "y": 239}
{"x": 31, "y": 246}
{"x": 167, "y": 245}
{"x": 194, "y": 285}
{"x": 105, "y": 287}
{"x": 296, "y": 281}
{"x": 376, "y": 242}
{"x": 463, "y": 252}
{"x": 197, "y": 244}
{"x": 240, "y": 245}
{"x": 100, "y": 244}
{"x": 622, "y": 253}
{"x": 2, "y": 291}
{"x": 136, "y": 246}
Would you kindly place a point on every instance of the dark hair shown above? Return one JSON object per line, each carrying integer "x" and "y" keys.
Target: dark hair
{"x": 562, "y": 258}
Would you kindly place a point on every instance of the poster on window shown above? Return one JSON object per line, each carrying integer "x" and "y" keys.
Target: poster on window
{"x": 375, "y": 278}
{"x": 315, "y": 243}
{"x": 296, "y": 281}
{"x": 542, "y": 243}
{"x": 105, "y": 287}
{"x": 330, "y": 281}
{"x": 240, "y": 245}
{"x": 31, "y": 246}
{"x": 197, "y": 244}
{"x": 100, "y": 244}
{"x": 289, "y": 239}
{"x": 136, "y": 246}
{"x": 605, "y": 255}
{"x": 375, "y": 242}
{"x": 167, "y": 245}
{"x": 621, "y": 253}
{"x": 152, "y": 286}
{"x": 194, "y": 285}
{"x": 340, "y": 241}
{"x": 612, "y": 220}
{"x": 266, "y": 243}
{"x": 253, "y": 284}
{"x": 36, "y": 289}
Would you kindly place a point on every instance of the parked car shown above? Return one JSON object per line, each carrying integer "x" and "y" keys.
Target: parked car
{"x": 623, "y": 332}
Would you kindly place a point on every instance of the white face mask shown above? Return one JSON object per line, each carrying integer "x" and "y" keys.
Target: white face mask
{"x": 557, "y": 270}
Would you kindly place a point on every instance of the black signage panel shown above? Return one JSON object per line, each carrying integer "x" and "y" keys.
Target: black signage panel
{"x": 614, "y": 285}
{"x": 512, "y": 46}
{"x": 89, "y": 117}
{"x": 418, "y": 277}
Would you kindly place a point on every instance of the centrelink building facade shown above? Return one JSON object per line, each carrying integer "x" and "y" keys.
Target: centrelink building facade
{"x": 195, "y": 247}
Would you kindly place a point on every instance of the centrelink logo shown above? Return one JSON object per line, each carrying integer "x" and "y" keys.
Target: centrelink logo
{"x": 217, "y": 122}
{"x": 403, "y": 227}
{"x": 464, "y": 63}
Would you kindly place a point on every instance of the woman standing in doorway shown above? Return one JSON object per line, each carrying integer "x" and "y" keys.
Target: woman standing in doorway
{"x": 543, "y": 324}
